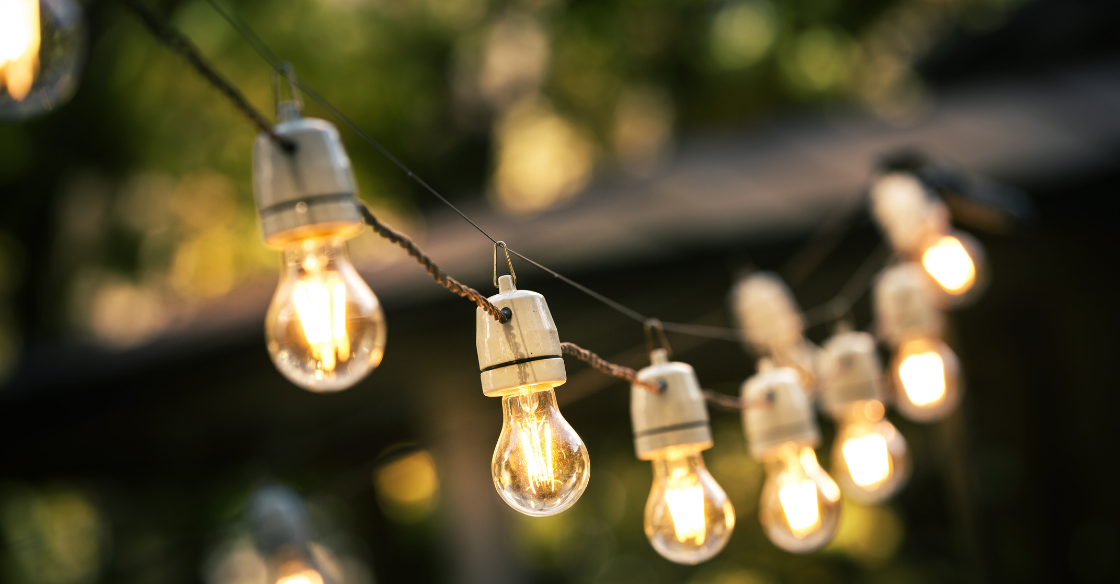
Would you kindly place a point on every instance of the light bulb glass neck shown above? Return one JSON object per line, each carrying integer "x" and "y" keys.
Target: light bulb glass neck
{"x": 530, "y": 400}
{"x": 315, "y": 255}
{"x": 679, "y": 460}
{"x": 863, "y": 412}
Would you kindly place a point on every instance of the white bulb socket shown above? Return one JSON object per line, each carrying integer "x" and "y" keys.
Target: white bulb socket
{"x": 767, "y": 313}
{"x": 674, "y": 418}
{"x": 525, "y": 350}
{"x": 850, "y": 372}
{"x": 308, "y": 192}
{"x": 905, "y": 304}
{"x": 907, "y": 212}
{"x": 780, "y": 411}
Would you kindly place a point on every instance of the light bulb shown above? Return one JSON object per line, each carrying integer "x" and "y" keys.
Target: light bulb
{"x": 325, "y": 329}
{"x": 688, "y": 518}
{"x": 925, "y": 374}
{"x": 540, "y": 465}
{"x": 956, "y": 262}
{"x": 870, "y": 458}
{"x": 297, "y": 572}
{"x": 800, "y": 504}
{"x": 41, "y": 43}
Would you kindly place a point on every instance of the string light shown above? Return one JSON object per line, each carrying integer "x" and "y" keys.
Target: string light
{"x": 327, "y": 317}
{"x": 917, "y": 225}
{"x": 540, "y": 465}
{"x": 688, "y": 518}
{"x": 925, "y": 370}
{"x": 800, "y": 503}
{"x": 325, "y": 328}
{"x": 771, "y": 324}
{"x": 41, "y": 47}
{"x": 870, "y": 458}
{"x": 279, "y": 523}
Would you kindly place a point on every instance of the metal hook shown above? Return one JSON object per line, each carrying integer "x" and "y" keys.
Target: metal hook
{"x": 655, "y": 324}
{"x": 290, "y": 108}
{"x": 509, "y": 263}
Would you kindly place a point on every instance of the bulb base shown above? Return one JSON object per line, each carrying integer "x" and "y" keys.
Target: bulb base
{"x": 522, "y": 352}
{"x": 309, "y": 192}
{"x": 786, "y": 416}
{"x": 905, "y": 304}
{"x": 674, "y": 418}
{"x": 850, "y": 372}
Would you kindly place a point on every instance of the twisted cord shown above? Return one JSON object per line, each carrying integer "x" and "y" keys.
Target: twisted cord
{"x": 187, "y": 49}
{"x": 502, "y": 315}
{"x": 619, "y": 371}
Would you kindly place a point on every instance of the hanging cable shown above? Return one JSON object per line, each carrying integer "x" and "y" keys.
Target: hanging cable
{"x": 187, "y": 49}
{"x": 503, "y": 315}
{"x": 850, "y": 293}
{"x": 619, "y": 371}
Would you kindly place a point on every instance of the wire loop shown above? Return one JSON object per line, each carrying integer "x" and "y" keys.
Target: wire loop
{"x": 285, "y": 71}
{"x": 651, "y": 325}
{"x": 509, "y": 263}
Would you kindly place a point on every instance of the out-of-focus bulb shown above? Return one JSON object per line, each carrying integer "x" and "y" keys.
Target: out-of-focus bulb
{"x": 870, "y": 458}
{"x": 19, "y": 46}
{"x": 540, "y": 465}
{"x": 325, "y": 328}
{"x": 925, "y": 373}
{"x": 41, "y": 42}
{"x": 296, "y": 572}
{"x": 950, "y": 265}
{"x": 688, "y": 518}
{"x": 800, "y": 505}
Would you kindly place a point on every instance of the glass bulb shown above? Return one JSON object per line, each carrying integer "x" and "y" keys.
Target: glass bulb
{"x": 956, "y": 262}
{"x": 688, "y": 518}
{"x": 325, "y": 328}
{"x": 800, "y": 504}
{"x": 540, "y": 464}
{"x": 297, "y": 572}
{"x": 870, "y": 458}
{"x": 41, "y": 47}
{"x": 925, "y": 374}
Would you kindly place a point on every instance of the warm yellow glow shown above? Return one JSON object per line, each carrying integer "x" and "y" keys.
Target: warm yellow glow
{"x": 323, "y": 317}
{"x": 950, "y": 265}
{"x": 867, "y": 459}
{"x": 799, "y": 502}
{"x": 923, "y": 378}
{"x": 812, "y": 467}
{"x": 536, "y": 447}
{"x": 305, "y": 577}
{"x": 685, "y": 499}
{"x": 19, "y": 46}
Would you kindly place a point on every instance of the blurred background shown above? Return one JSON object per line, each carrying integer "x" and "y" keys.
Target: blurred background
{"x": 653, "y": 150}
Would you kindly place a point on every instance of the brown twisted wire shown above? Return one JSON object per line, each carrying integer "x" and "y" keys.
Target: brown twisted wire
{"x": 502, "y": 315}
{"x": 607, "y": 367}
{"x": 183, "y": 45}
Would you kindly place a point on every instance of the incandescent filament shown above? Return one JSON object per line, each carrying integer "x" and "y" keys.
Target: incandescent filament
{"x": 923, "y": 377}
{"x": 867, "y": 459}
{"x": 799, "y": 503}
{"x": 321, "y": 306}
{"x": 536, "y": 445}
{"x": 19, "y": 46}
{"x": 685, "y": 499}
{"x": 949, "y": 263}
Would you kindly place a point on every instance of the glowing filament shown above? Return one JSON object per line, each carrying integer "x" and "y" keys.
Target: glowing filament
{"x": 949, "y": 263}
{"x": 19, "y": 46}
{"x": 304, "y": 577}
{"x": 799, "y": 502}
{"x": 322, "y": 314}
{"x": 685, "y": 499}
{"x": 538, "y": 454}
{"x": 867, "y": 459}
{"x": 923, "y": 378}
